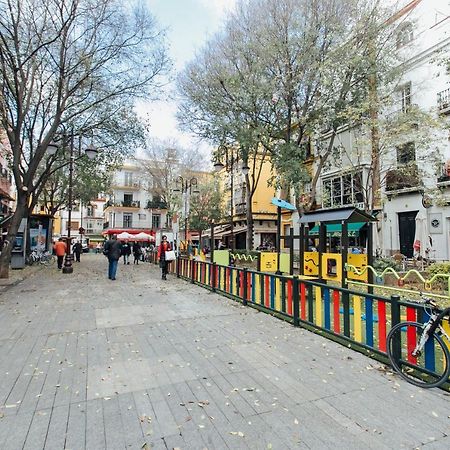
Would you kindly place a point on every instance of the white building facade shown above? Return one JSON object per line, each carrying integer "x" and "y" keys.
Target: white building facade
{"x": 132, "y": 205}
{"x": 422, "y": 192}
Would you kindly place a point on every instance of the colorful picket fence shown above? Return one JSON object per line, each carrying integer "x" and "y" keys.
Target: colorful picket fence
{"x": 358, "y": 318}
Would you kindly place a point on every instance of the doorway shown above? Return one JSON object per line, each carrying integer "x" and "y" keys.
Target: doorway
{"x": 407, "y": 230}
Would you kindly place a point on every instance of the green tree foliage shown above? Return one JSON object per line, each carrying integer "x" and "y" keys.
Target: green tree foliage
{"x": 206, "y": 206}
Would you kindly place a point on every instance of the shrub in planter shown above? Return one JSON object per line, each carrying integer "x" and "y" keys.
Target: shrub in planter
{"x": 380, "y": 264}
{"x": 439, "y": 268}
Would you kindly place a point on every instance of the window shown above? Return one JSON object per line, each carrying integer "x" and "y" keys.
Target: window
{"x": 142, "y": 216}
{"x": 342, "y": 190}
{"x": 90, "y": 211}
{"x": 128, "y": 178}
{"x": 127, "y": 220}
{"x": 156, "y": 221}
{"x": 404, "y": 34}
{"x": 405, "y": 97}
{"x": 406, "y": 153}
{"x": 127, "y": 199}
{"x": 168, "y": 222}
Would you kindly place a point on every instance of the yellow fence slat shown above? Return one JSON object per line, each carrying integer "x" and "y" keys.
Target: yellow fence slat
{"x": 318, "y": 308}
{"x": 278, "y": 294}
{"x": 357, "y": 303}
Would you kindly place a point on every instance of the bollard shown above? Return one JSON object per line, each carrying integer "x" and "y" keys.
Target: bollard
{"x": 178, "y": 263}
{"x": 296, "y": 301}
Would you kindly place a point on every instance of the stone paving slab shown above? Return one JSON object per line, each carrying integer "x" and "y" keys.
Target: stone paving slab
{"x": 87, "y": 363}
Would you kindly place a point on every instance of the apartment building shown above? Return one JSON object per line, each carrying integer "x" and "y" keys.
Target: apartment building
{"x": 134, "y": 204}
{"x": 414, "y": 174}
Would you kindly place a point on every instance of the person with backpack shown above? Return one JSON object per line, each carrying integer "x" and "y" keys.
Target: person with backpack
{"x": 112, "y": 250}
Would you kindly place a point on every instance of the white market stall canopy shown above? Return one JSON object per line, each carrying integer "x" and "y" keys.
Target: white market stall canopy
{"x": 143, "y": 237}
{"x": 125, "y": 235}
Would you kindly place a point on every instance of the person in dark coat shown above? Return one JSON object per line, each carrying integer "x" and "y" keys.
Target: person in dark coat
{"x": 112, "y": 250}
{"x": 126, "y": 252}
{"x": 136, "y": 252}
{"x": 77, "y": 249}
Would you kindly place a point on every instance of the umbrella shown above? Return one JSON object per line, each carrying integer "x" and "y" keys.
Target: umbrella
{"x": 124, "y": 235}
{"x": 421, "y": 244}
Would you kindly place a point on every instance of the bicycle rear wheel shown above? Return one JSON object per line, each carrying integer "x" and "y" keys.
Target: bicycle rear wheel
{"x": 431, "y": 368}
{"x": 48, "y": 260}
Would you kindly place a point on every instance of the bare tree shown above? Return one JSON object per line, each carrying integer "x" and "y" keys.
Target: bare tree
{"x": 76, "y": 64}
{"x": 282, "y": 72}
{"x": 164, "y": 161}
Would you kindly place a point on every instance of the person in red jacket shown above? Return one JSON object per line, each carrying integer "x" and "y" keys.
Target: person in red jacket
{"x": 162, "y": 249}
{"x": 60, "y": 248}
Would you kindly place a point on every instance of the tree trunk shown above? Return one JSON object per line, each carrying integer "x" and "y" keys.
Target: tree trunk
{"x": 375, "y": 200}
{"x": 17, "y": 217}
{"x": 249, "y": 215}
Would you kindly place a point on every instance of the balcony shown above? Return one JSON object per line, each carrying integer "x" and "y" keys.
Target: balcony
{"x": 444, "y": 176}
{"x": 156, "y": 204}
{"x": 126, "y": 186}
{"x": 443, "y": 101}
{"x": 405, "y": 178}
{"x": 122, "y": 204}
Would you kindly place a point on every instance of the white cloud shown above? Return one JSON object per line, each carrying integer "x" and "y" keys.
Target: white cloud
{"x": 219, "y": 7}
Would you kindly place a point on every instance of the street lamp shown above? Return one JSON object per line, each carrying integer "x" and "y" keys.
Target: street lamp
{"x": 91, "y": 153}
{"x": 230, "y": 161}
{"x": 187, "y": 188}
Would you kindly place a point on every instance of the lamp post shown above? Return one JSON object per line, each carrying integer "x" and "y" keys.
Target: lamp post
{"x": 91, "y": 153}
{"x": 187, "y": 187}
{"x": 230, "y": 163}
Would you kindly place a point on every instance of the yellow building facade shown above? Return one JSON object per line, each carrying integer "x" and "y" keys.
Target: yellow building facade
{"x": 232, "y": 182}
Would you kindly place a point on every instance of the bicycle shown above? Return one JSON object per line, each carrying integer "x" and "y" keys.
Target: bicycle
{"x": 418, "y": 351}
{"x": 45, "y": 258}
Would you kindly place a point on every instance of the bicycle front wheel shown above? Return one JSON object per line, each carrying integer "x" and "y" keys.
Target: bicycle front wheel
{"x": 430, "y": 367}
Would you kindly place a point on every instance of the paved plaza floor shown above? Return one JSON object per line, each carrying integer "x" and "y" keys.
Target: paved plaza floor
{"x": 141, "y": 363}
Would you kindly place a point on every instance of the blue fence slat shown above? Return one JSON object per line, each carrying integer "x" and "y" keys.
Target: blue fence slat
{"x": 369, "y": 321}
{"x": 326, "y": 302}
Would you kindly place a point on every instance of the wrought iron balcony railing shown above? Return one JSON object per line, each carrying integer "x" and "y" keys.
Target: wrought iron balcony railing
{"x": 406, "y": 177}
{"x": 123, "y": 204}
{"x": 156, "y": 204}
{"x": 443, "y": 101}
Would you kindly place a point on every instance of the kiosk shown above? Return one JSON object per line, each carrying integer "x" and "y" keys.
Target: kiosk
{"x": 19, "y": 247}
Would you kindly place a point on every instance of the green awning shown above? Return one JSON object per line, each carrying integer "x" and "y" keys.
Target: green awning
{"x": 336, "y": 228}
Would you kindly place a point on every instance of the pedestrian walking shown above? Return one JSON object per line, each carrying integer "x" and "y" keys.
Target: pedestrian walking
{"x": 126, "y": 252}
{"x": 112, "y": 250}
{"x": 77, "y": 249}
{"x": 60, "y": 249}
{"x": 98, "y": 248}
{"x": 137, "y": 251}
{"x": 163, "y": 263}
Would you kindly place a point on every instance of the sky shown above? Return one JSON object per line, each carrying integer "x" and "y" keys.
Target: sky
{"x": 189, "y": 24}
